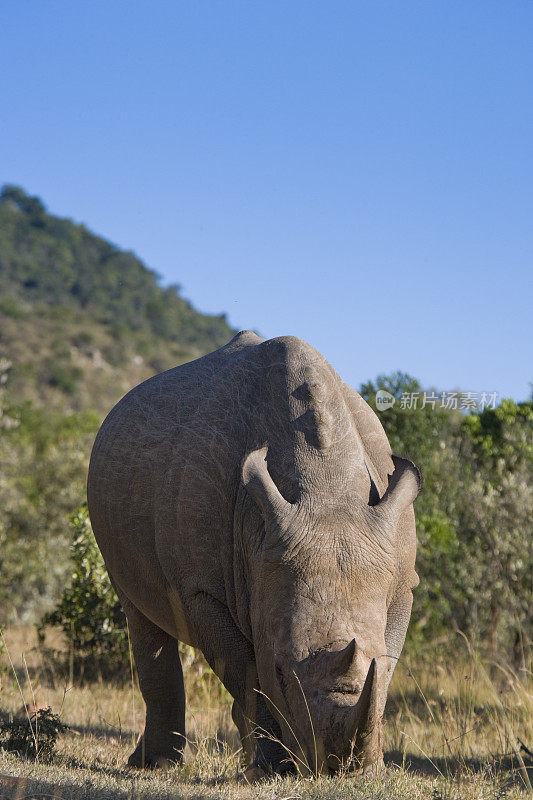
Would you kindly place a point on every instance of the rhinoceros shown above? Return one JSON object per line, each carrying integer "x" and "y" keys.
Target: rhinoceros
{"x": 248, "y": 504}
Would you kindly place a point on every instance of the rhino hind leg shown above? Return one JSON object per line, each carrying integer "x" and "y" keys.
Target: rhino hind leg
{"x": 161, "y": 682}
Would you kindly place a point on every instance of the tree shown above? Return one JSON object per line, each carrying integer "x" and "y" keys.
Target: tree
{"x": 475, "y": 542}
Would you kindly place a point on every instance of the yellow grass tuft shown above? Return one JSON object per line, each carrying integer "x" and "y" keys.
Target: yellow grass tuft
{"x": 452, "y": 731}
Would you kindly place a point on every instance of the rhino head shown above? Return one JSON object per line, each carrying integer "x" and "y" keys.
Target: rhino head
{"x": 321, "y": 585}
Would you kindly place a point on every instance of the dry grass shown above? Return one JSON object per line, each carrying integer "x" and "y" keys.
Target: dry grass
{"x": 451, "y": 732}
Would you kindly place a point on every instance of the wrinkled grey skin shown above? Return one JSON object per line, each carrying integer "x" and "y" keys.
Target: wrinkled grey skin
{"x": 236, "y": 502}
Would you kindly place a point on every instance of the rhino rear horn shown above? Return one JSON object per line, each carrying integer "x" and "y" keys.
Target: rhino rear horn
{"x": 342, "y": 660}
{"x": 260, "y": 486}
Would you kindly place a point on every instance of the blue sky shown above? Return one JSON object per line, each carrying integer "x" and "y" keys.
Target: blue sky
{"x": 356, "y": 174}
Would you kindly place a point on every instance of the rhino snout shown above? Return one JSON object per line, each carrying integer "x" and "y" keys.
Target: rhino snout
{"x": 334, "y": 723}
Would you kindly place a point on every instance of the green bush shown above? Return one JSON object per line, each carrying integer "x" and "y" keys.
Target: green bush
{"x": 43, "y": 468}
{"x": 63, "y": 376}
{"x": 90, "y": 614}
{"x": 34, "y": 736}
{"x": 12, "y": 307}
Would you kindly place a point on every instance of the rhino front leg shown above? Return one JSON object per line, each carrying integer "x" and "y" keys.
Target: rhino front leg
{"x": 231, "y": 656}
{"x": 270, "y": 756}
{"x": 246, "y": 732}
{"x": 161, "y": 683}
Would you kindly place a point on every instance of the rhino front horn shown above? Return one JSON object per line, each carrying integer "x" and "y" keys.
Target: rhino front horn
{"x": 362, "y": 727}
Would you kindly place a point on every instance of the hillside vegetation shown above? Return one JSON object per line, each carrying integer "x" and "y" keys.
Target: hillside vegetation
{"x": 82, "y": 321}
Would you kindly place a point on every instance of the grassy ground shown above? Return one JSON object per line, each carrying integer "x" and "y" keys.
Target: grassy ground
{"x": 451, "y": 732}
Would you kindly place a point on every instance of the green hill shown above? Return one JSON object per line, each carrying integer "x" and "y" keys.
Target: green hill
{"x": 82, "y": 321}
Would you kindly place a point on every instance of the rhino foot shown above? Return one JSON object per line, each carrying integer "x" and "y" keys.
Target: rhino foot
{"x": 257, "y": 774}
{"x": 146, "y": 757}
{"x": 253, "y": 775}
{"x": 374, "y": 769}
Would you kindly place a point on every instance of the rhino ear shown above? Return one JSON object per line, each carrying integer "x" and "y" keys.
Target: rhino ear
{"x": 404, "y": 486}
{"x": 261, "y": 487}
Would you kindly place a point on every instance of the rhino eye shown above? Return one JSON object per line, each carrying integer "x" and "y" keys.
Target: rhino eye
{"x": 280, "y": 677}
{"x": 346, "y": 689}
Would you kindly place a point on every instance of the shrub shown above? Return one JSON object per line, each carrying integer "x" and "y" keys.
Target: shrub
{"x": 63, "y": 376}
{"x": 34, "y": 736}
{"x": 89, "y": 613}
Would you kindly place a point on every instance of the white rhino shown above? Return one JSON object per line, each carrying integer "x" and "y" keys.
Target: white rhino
{"x": 248, "y": 504}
